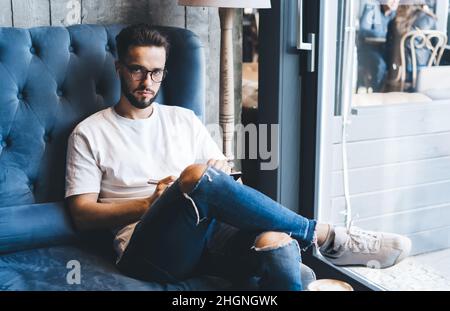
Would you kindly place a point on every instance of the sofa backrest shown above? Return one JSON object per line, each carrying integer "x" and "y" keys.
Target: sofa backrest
{"x": 51, "y": 78}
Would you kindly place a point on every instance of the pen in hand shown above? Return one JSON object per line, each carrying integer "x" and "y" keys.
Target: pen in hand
{"x": 156, "y": 182}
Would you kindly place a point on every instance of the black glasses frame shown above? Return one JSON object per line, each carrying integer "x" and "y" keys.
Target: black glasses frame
{"x": 141, "y": 76}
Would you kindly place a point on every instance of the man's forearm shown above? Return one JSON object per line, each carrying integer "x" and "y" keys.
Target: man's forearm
{"x": 91, "y": 215}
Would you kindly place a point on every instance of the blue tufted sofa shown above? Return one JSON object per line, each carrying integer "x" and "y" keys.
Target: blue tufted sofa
{"x": 51, "y": 78}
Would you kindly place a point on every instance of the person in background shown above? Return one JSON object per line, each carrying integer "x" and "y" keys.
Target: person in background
{"x": 409, "y": 17}
{"x": 376, "y": 16}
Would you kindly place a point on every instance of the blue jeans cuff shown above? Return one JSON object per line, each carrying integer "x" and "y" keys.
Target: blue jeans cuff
{"x": 310, "y": 234}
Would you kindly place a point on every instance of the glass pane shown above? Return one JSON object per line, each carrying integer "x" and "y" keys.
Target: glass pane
{"x": 250, "y": 89}
{"x": 390, "y": 150}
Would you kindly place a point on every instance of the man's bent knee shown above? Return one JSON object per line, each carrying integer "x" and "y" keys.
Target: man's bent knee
{"x": 271, "y": 240}
{"x": 190, "y": 177}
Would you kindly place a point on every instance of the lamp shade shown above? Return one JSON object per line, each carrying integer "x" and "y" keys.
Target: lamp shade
{"x": 256, "y": 4}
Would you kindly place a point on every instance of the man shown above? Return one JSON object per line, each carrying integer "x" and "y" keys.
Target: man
{"x": 197, "y": 219}
{"x": 374, "y": 23}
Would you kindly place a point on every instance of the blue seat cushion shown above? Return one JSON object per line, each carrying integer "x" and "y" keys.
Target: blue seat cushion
{"x": 45, "y": 269}
{"x": 35, "y": 225}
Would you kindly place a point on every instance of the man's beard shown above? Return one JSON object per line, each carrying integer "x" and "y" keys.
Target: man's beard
{"x": 133, "y": 100}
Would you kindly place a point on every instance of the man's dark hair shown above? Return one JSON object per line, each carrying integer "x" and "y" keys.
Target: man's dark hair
{"x": 140, "y": 35}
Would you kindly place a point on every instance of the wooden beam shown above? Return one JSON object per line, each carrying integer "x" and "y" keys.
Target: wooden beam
{"x": 384, "y": 178}
{"x": 393, "y": 201}
{"x": 395, "y": 150}
{"x": 197, "y": 21}
{"x": 213, "y": 69}
{"x": 115, "y": 11}
{"x": 5, "y": 13}
{"x": 65, "y": 13}
{"x": 394, "y": 121}
{"x": 31, "y": 13}
{"x": 167, "y": 13}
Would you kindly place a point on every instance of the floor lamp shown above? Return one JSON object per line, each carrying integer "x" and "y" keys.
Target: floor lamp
{"x": 226, "y": 103}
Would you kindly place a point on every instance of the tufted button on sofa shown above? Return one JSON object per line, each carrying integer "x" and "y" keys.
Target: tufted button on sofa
{"x": 51, "y": 78}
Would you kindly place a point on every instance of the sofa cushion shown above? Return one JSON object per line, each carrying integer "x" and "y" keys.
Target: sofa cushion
{"x": 46, "y": 269}
{"x": 36, "y": 225}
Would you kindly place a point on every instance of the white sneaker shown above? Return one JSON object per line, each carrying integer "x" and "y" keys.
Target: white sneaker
{"x": 357, "y": 247}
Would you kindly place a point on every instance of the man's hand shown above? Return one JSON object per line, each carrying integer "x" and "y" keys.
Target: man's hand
{"x": 89, "y": 214}
{"x": 162, "y": 185}
{"x": 221, "y": 165}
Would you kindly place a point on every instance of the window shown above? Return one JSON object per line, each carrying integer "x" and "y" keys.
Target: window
{"x": 384, "y": 131}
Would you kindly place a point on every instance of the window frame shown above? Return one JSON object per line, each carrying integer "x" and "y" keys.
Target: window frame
{"x": 277, "y": 105}
{"x": 325, "y": 95}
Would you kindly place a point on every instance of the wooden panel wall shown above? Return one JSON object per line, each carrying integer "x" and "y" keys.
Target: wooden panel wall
{"x": 399, "y": 172}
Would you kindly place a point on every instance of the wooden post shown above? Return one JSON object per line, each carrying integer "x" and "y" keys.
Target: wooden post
{"x": 226, "y": 102}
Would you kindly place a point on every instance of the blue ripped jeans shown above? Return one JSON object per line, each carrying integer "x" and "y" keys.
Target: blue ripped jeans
{"x": 212, "y": 230}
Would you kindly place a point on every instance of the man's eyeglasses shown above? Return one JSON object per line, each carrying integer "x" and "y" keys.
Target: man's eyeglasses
{"x": 140, "y": 74}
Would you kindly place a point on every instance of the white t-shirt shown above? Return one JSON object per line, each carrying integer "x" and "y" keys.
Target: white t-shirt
{"x": 116, "y": 156}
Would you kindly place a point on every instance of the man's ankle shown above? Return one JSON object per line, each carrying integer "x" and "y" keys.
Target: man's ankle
{"x": 324, "y": 234}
